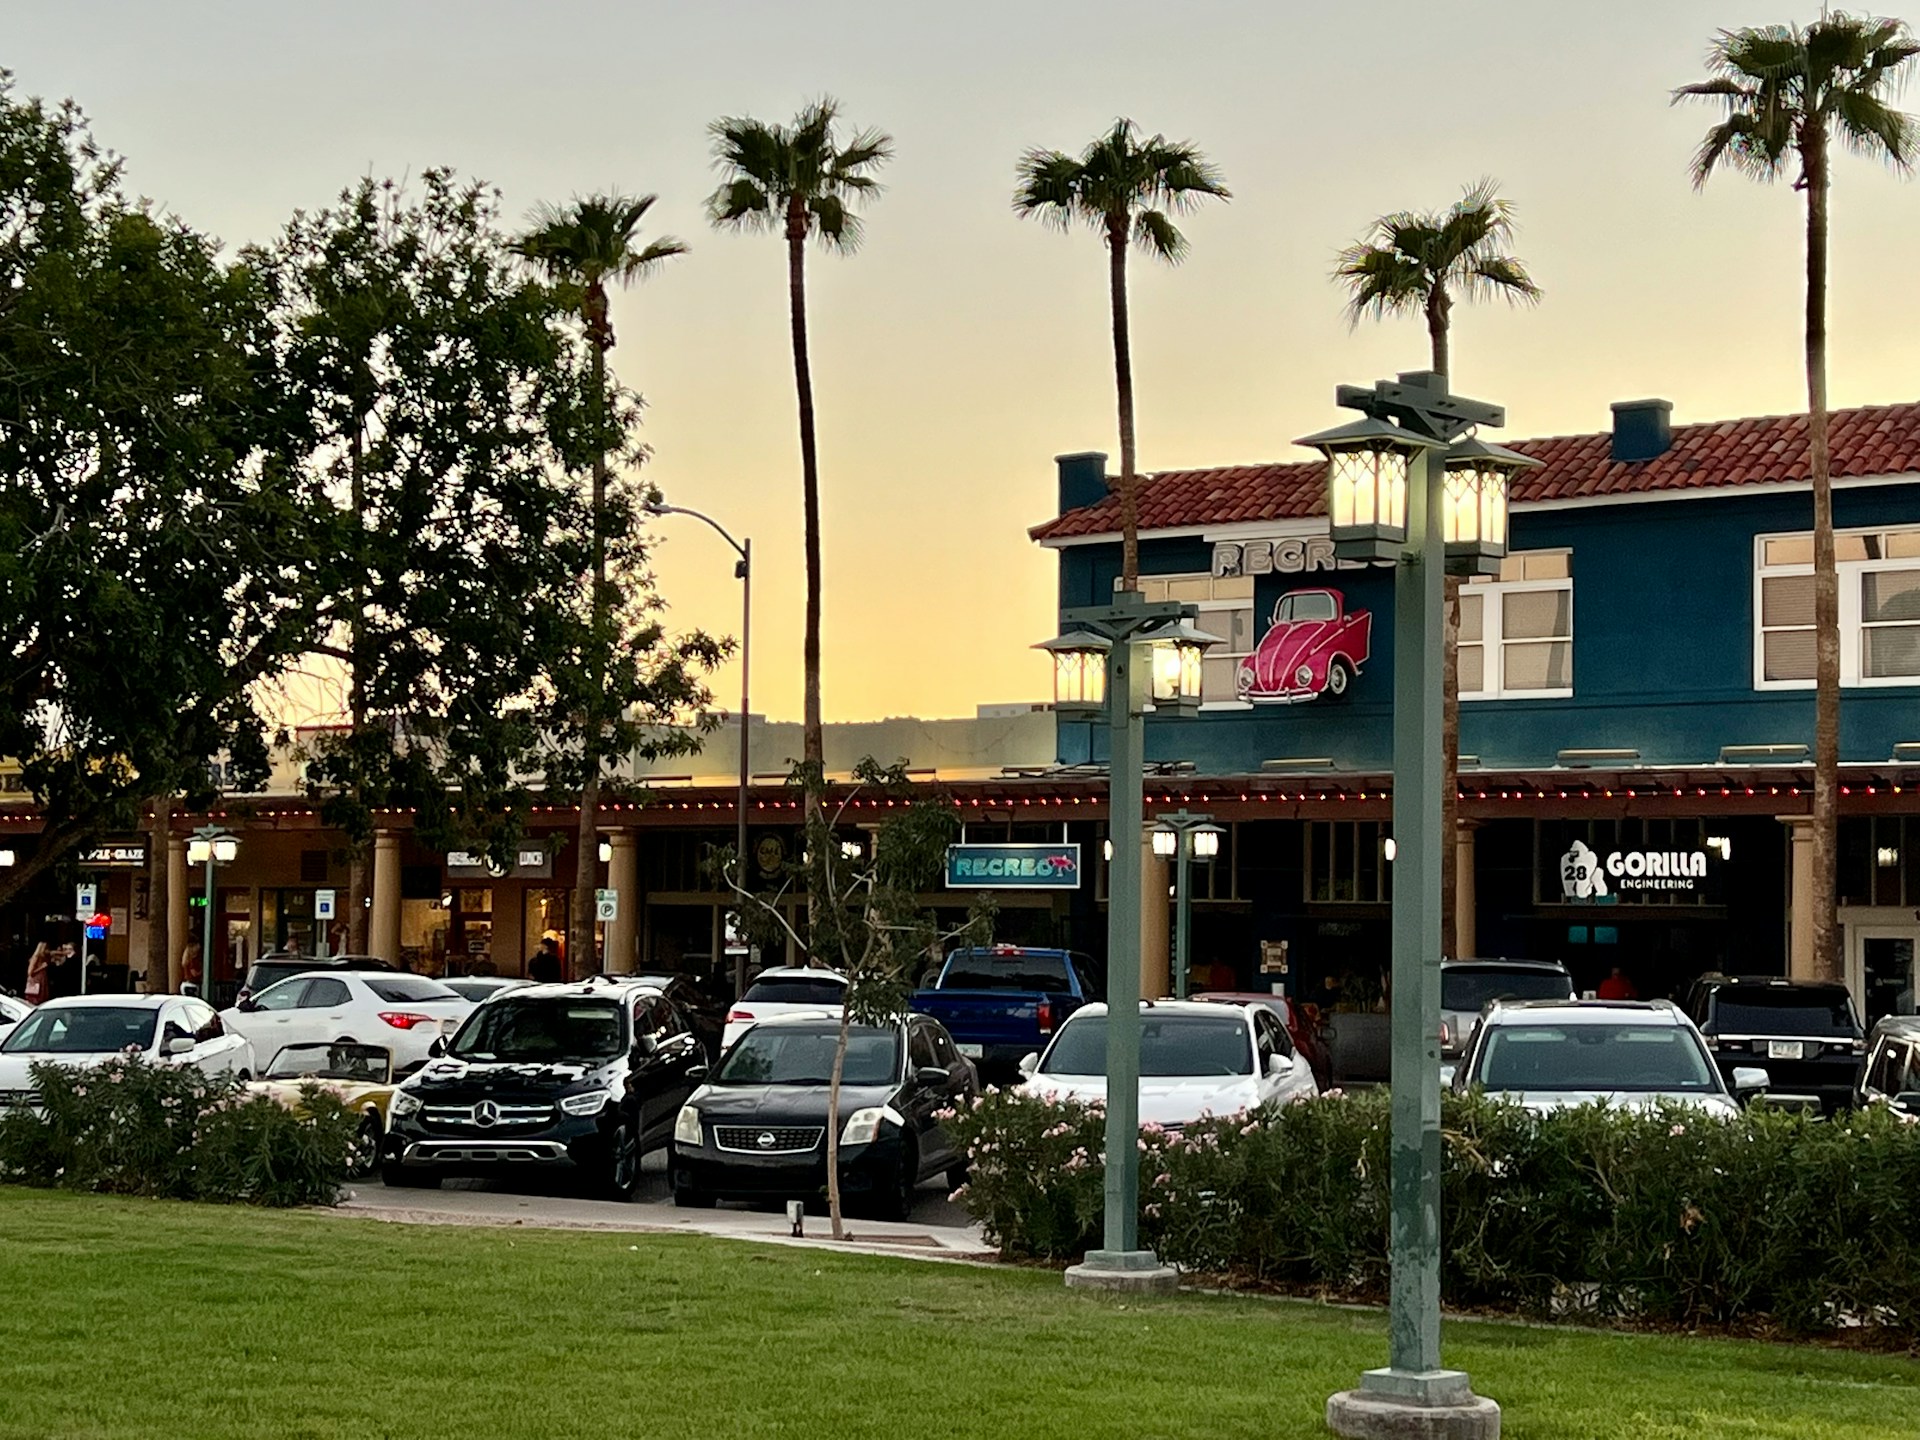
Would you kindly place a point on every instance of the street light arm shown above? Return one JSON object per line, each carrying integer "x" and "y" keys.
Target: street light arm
{"x": 718, "y": 529}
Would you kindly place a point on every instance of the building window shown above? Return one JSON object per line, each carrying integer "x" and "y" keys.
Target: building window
{"x": 1516, "y": 632}
{"x": 1347, "y": 862}
{"x": 1879, "y": 572}
{"x": 1225, "y": 603}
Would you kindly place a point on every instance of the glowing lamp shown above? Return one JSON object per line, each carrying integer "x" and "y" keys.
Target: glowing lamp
{"x": 1367, "y": 470}
{"x": 1474, "y": 504}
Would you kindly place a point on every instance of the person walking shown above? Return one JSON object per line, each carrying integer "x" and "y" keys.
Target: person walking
{"x": 543, "y": 966}
{"x": 1617, "y": 987}
{"x": 190, "y": 967}
{"x": 38, "y": 979}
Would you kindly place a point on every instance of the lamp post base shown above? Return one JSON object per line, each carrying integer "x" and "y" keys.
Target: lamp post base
{"x": 1133, "y": 1271}
{"x": 1413, "y": 1405}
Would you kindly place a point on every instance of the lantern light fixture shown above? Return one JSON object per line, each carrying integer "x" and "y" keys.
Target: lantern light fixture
{"x": 1474, "y": 504}
{"x": 1206, "y": 841}
{"x": 1166, "y": 842}
{"x": 1177, "y": 652}
{"x": 1079, "y": 671}
{"x": 1367, "y": 467}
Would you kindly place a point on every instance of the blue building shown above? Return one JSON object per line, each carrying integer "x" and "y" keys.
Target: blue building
{"x": 1636, "y": 706}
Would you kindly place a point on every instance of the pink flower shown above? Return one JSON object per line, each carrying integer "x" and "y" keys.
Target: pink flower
{"x": 1677, "y": 1130}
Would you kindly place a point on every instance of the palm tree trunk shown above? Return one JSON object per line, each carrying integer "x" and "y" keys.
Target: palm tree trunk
{"x": 159, "y": 895}
{"x": 812, "y": 744}
{"x": 1123, "y": 384}
{"x": 1451, "y": 943}
{"x": 586, "y": 874}
{"x": 1826, "y": 583}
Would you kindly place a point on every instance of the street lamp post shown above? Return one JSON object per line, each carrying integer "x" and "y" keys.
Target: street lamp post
{"x": 211, "y": 846}
{"x": 1099, "y": 669}
{"x": 1187, "y": 836}
{"x": 1405, "y": 487}
{"x": 743, "y": 571}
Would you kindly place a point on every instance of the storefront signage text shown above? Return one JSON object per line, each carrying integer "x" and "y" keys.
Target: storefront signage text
{"x": 1013, "y": 867}
{"x": 1586, "y": 875}
{"x": 531, "y": 863}
{"x": 1295, "y": 555}
{"x": 114, "y": 855}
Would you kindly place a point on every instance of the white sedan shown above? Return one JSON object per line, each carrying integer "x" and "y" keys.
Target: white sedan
{"x": 396, "y": 1011}
{"x": 785, "y": 990}
{"x": 1195, "y": 1059}
{"x": 85, "y": 1030}
{"x": 12, "y": 1012}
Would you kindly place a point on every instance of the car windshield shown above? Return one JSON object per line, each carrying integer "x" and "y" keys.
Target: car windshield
{"x": 1783, "y": 1012}
{"x": 83, "y": 1030}
{"x": 986, "y": 970}
{"x": 796, "y": 1055}
{"x": 412, "y": 990}
{"x": 1169, "y": 1045}
{"x": 1471, "y": 989}
{"x": 796, "y": 990}
{"x": 368, "y": 1064}
{"x": 541, "y": 1031}
{"x": 477, "y": 989}
{"x": 1598, "y": 1057}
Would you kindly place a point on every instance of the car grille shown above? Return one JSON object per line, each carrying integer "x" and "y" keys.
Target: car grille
{"x": 498, "y": 1115}
{"x": 767, "y": 1139}
{"x": 19, "y": 1097}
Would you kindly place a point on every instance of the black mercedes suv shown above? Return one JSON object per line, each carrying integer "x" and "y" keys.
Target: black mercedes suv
{"x": 584, "y": 1078}
{"x": 1804, "y": 1032}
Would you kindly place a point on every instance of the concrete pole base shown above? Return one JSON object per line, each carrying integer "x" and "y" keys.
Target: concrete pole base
{"x": 1123, "y": 1271}
{"x": 1394, "y": 1406}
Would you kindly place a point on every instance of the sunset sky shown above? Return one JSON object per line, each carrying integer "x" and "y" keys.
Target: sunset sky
{"x": 961, "y": 349}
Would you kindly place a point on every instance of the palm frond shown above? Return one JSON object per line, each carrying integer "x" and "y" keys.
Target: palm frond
{"x": 1870, "y": 127}
{"x": 836, "y": 226}
{"x": 1048, "y": 188}
{"x": 1122, "y": 181}
{"x": 1156, "y": 235}
{"x": 1381, "y": 281}
{"x": 1485, "y": 277}
{"x": 767, "y": 167}
{"x": 742, "y": 204}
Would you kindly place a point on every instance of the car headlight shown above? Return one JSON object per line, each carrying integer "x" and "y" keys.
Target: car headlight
{"x": 1304, "y": 675}
{"x": 404, "y": 1102}
{"x": 863, "y": 1125}
{"x": 686, "y": 1127}
{"x": 591, "y": 1103}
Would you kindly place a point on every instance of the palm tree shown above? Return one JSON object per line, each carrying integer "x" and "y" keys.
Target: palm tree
{"x": 1127, "y": 189}
{"x": 1415, "y": 263}
{"x": 799, "y": 181}
{"x": 1787, "y": 94}
{"x": 586, "y": 246}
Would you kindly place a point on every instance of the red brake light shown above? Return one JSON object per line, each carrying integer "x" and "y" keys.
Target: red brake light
{"x": 404, "y": 1019}
{"x": 738, "y": 1014}
{"x": 1045, "y": 1015}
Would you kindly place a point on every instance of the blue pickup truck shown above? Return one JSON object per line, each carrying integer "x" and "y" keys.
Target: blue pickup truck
{"x": 1002, "y": 1002}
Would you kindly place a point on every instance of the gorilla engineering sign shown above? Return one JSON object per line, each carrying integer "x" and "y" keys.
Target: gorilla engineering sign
{"x": 1586, "y": 875}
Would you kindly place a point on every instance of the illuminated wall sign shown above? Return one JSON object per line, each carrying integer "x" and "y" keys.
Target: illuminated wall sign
{"x": 1587, "y": 875}
{"x": 1013, "y": 867}
{"x": 1294, "y": 555}
{"x": 532, "y": 863}
{"x": 115, "y": 855}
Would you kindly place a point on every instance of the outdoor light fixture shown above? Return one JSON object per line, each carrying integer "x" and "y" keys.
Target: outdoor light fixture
{"x": 606, "y": 851}
{"x": 1886, "y": 857}
{"x": 1473, "y": 512}
{"x": 849, "y": 849}
{"x": 1176, "y": 653}
{"x": 1165, "y": 842}
{"x": 1367, "y": 465}
{"x": 1206, "y": 841}
{"x": 1389, "y": 849}
{"x": 224, "y": 849}
{"x": 1722, "y": 845}
{"x": 212, "y": 847}
{"x": 1106, "y": 850}
{"x": 1079, "y": 671}
{"x": 8, "y": 859}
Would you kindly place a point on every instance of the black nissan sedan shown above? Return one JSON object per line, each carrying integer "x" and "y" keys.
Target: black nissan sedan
{"x": 757, "y": 1128}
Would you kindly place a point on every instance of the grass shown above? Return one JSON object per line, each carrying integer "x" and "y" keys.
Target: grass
{"x": 134, "y": 1319}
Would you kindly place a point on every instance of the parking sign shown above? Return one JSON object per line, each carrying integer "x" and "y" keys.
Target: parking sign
{"x": 606, "y": 905}
{"x": 85, "y": 901}
{"x": 323, "y": 904}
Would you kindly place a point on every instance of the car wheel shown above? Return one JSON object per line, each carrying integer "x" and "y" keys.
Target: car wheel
{"x": 896, "y": 1202}
{"x": 398, "y": 1177}
{"x": 622, "y": 1175}
{"x": 366, "y": 1148}
{"x": 1338, "y": 674}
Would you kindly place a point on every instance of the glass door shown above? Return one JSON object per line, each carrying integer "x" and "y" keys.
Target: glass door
{"x": 1881, "y": 968}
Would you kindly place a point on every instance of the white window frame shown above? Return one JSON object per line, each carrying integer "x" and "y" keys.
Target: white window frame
{"x": 1852, "y": 631}
{"x": 1493, "y": 641}
{"x": 1209, "y": 607}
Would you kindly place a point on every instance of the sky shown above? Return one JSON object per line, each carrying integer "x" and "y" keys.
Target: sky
{"x": 961, "y": 348}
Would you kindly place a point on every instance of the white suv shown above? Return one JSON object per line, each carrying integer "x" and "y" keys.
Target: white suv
{"x": 785, "y": 990}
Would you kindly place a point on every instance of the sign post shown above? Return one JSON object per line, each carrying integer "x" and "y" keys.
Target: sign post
{"x": 85, "y": 902}
{"x": 323, "y": 907}
{"x": 606, "y": 905}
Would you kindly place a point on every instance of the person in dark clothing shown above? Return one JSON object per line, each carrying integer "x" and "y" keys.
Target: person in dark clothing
{"x": 543, "y": 965}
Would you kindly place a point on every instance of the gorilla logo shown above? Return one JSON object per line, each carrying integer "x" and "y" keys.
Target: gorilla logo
{"x": 1581, "y": 875}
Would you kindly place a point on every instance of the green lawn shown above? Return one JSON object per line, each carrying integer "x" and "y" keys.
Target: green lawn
{"x": 147, "y": 1319}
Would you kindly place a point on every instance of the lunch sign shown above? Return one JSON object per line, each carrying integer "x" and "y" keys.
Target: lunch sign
{"x": 1013, "y": 867}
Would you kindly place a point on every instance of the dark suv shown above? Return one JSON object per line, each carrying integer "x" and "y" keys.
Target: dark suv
{"x": 1804, "y": 1032}
{"x": 583, "y": 1078}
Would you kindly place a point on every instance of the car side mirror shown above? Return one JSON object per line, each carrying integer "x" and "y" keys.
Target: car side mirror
{"x": 698, "y": 1072}
{"x": 644, "y": 1046}
{"x": 1030, "y": 1062}
{"x": 1907, "y": 1102}
{"x": 932, "y": 1077}
{"x": 178, "y": 1045}
{"x": 1279, "y": 1066}
{"x": 249, "y": 1004}
{"x": 438, "y": 1046}
{"x": 1748, "y": 1081}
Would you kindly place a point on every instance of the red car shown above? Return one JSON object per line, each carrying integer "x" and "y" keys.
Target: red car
{"x": 1314, "y": 647}
{"x": 1302, "y": 1024}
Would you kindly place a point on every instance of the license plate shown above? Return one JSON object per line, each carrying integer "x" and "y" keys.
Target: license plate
{"x": 1786, "y": 1049}
{"x": 972, "y": 1052}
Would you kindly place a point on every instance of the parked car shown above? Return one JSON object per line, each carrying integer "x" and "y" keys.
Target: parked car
{"x": 1892, "y": 1069}
{"x": 12, "y": 1011}
{"x": 1302, "y": 1030}
{"x": 360, "y": 1076}
{"x": 1803, "y": 1033}
{"x": 85, "y": 1030}
{"x": 784, "y": 990}
{"x": 1468, "y": 986}
{"x": 583, "y": 1078}
{"x": 1314, "y": 646}
{"x": 708, "y": 1018}
{"x": 277, "y": 965}
{"x": 480, "y": 988}
{"x": 1196, "y": 1058}
{"x": 757, "y": 1127}
{"x": 1001, "y": 1002}
{"x": 405, "y": 1013}
{"x": 1553, "y": 1054}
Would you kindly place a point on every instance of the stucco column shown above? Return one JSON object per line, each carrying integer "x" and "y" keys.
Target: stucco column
{"x": 1466, "y": 913}
{"x": 1156, "y": 922}
{"x": 623, "y": 878}
{"x": 383, "y": 934}
{"x": 179, "y": 918}
{"x": 1799, "y": 896}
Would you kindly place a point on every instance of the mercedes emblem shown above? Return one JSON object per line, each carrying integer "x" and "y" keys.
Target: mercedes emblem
{"x": 486, "y": 1113}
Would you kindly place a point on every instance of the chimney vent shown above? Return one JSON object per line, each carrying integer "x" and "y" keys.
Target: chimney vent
{"x": 1642, "y": 429}
{"x": 1083, "y": 479}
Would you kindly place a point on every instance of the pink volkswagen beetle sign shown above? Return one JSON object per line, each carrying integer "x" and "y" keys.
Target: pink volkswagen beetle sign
{"x": 1314, "y": 646}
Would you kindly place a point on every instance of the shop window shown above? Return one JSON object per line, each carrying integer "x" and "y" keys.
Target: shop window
{"x": 1225, "y": 603}
{"x": 1878, "y": 864}
{"x": 313, "y": 867}
{"x": 1516, "y": 631}
{"x": 1879, "y": 574}
{"x": 1347, "y": 862}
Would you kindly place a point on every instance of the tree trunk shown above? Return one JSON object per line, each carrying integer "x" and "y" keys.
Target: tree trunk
{"x": 833, "y": 1126}
{"x": 1439, "y": 307}
{"x": 812, "y": 743}
{"x": 1452, "y": 943}
{"x": 359, "y": 910}
{"x": 358, "y": 916}
{"x": 1826, "y": 582}
{"x": 1123, "y": 385}
{"x": 159, "y": 895}
{"x": 581, "y": 960}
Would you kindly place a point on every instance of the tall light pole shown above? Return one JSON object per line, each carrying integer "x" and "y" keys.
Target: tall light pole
{"x": 743, "y": 571}
{"x": 1187, "y": 836}
{"x": 211, "y": 846}
{"x": 1117, "y": 660}
{"x": 1404, "y": 487}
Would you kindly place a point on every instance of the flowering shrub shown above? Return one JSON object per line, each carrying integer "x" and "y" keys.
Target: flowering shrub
{"x": 1666, "y": 1215}
{"x": 129, "y": 1127}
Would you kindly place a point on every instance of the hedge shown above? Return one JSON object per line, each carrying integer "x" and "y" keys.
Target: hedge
{"x": 1768, "y": 1220}
{"x": 129, "y": 1127}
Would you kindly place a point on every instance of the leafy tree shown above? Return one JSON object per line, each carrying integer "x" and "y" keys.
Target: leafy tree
{"x": 1788, "y": 93}
{"x": 800, "y": 182}
{"x": 1415, "y": 262}
{"x": 1127, "y": 189}
{"x": 157, "y": 545}
{"x": 585, "y": 247}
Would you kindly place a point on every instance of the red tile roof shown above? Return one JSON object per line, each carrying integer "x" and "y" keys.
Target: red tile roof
{"x": 1869, "y": 440}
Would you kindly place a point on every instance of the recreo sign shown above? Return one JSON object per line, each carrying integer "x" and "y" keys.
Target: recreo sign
{"x": 1013, "y": 867}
